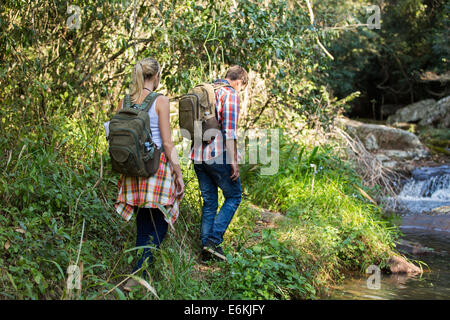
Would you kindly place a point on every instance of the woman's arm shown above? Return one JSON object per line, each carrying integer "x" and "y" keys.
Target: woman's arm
{"x": 163, "y": 111}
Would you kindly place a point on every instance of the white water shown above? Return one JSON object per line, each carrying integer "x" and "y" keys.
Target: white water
{"x": 428, "y": 188}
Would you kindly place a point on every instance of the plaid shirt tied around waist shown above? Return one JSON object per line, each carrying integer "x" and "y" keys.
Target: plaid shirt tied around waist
{"x": 227, "y": 107}
{"x": 149, "y": 192}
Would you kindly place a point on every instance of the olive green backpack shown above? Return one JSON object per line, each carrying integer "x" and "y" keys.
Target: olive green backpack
{"x": 131, "y": 147}
{"x": 197, "y": 110}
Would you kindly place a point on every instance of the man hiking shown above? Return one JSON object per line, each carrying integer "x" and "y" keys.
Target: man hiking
{"x": 215, "y": 163}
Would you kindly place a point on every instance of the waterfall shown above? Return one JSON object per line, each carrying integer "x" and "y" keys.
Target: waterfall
{"x": 427, "y": 189}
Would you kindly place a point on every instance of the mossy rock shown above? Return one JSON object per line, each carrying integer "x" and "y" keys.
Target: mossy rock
{"x": 443, "y": 143}
{"x": 437, "y": 149}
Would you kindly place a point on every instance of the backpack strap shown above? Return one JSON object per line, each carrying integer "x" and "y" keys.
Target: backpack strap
{"x": 218, "y": 86}
{"x": 221, "y": 85}
{"x": 146, "y": 105}
{"x": 126, "y": 102}
{"x": 148, "y": 101}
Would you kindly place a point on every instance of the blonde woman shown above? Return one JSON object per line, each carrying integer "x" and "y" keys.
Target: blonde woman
{"x": 166, "y": 187}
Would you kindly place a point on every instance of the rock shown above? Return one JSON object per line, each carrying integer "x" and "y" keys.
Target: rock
{"x": 409, "y": 166}
{"x": 408, "y": 154}
{"x": 389, "y": 109}
{"x": 425, "y": 113}
{"x": 438, "y": 114}
{"x": 389, "y": 144}
{"x": 382, "y": 157}
{"x": 445, "y": 123}
{"x": 390, "y": 164}
{"x": 398, "y": 264}
{"x": 371, "y": 142}
{"x": 270, "y": 217}
{"x": 413, "y": 112}
{"x": 384, "y": 136}
{"x": 441, "y": 210}
{"x": 414, "y": 248}
{"x": 424, "y": 173}
{"x": 386, "y": 161}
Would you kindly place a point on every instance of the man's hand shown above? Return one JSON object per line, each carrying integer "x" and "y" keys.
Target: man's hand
{"x": 231, "y": 147}
{"x": 234, "y": 171}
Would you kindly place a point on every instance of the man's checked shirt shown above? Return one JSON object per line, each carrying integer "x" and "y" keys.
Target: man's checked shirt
{"x": 227, "y": 106}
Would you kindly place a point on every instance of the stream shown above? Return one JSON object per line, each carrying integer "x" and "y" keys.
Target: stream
{"x": 424, "y": 205}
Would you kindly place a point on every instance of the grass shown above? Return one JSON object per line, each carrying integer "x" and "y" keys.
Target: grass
{"x": 331, "y": 227}
{"x": 59, "y": 189}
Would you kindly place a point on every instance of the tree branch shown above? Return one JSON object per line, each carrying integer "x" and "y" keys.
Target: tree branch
{"x": 311, "y": 18}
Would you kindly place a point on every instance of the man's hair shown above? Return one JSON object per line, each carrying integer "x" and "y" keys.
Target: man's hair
{"x": 237, "y": 73}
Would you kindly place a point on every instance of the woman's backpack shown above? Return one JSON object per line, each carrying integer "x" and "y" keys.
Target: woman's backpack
{"x": 197, "y": 109}
{"x": 131, "y": 147}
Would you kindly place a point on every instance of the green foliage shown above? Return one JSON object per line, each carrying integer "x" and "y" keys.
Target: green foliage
{"x": 330, "y": 226}
{"x": 57, "y": 189}
{"x": 44, "y": 201}
{"x": 387, "y": 64}
{"x": 51, "y": 71}
{"x": 266, "y": 270}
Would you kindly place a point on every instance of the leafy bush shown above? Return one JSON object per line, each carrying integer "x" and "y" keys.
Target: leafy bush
{"x": 266, "y": 270}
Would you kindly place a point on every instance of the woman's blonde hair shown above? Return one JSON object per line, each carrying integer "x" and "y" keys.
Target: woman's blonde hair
{"x": 144, "y": 69}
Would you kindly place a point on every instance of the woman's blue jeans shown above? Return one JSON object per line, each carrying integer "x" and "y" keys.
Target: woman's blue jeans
{"x": 210, "y": 178}
{"x": 151, "y": 230}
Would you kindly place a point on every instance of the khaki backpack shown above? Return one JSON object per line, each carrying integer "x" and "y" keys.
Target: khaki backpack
{"x": 131, "y": 147}
{"x": 197, "y": 110}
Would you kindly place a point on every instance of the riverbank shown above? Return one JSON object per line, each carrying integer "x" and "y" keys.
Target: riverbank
{"x": 433, "y": 284}
{"x": 329, "y": 227}
{"x": 422, "y": 213}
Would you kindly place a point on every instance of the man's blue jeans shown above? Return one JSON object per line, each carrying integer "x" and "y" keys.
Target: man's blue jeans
{"x": 210, "y": 178}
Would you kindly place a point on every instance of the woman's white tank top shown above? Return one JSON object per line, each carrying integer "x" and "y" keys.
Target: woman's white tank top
{"x": 154, "y": 124}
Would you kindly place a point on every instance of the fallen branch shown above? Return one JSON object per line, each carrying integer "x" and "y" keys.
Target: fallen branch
{"x": 370, "y": 168}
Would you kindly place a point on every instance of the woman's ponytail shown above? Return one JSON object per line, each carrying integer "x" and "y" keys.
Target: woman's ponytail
{"x": 144, "y": 69}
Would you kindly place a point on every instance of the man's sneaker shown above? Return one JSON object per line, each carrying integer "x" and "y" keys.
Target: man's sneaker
{"x": 205, "y": 256}
{"x": 214, "y": 250}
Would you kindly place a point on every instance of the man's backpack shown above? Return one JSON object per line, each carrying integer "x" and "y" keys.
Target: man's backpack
{"x": 197, "y": 111}
{"x": 131, "y": 147}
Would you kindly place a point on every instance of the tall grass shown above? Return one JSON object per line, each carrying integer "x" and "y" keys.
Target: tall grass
{"x": 330, "y": 227}
{"x": 57, "y": 192}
